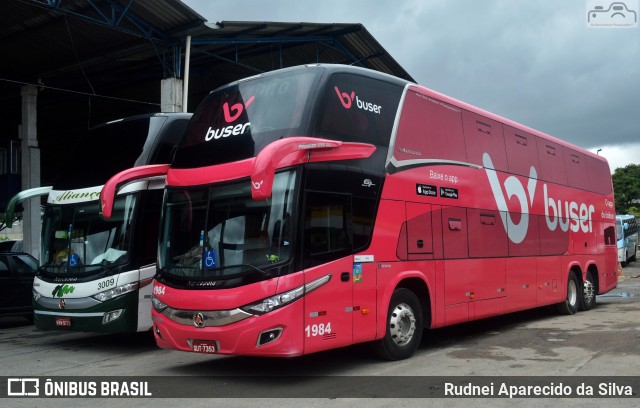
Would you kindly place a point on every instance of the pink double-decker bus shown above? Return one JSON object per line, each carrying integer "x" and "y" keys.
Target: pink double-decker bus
{"x": 321, "y": 206}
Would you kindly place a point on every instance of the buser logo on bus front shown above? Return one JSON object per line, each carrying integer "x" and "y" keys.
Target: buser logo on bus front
{"x": 231, "y": 114}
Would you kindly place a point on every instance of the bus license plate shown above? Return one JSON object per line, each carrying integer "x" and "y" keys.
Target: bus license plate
{"x": 204, "y": 346}
{"x": 63, "y": 321}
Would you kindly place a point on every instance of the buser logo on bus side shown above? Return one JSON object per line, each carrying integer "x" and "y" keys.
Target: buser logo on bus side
{"x": 576, "y": 216}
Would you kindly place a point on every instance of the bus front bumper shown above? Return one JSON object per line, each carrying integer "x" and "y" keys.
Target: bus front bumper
{"x": 112, "y": 316}
{"x": 275, "y": 334}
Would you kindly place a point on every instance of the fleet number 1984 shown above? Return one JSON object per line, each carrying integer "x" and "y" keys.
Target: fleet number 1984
{"x": 321, "y": 329}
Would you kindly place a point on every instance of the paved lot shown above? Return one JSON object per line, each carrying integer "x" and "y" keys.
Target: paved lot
{"x": 604, "y": 342}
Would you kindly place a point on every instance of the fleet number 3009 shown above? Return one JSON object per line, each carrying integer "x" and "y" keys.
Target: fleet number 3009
{"x": 321, "y": 329}
{"x": 106, "y": 283}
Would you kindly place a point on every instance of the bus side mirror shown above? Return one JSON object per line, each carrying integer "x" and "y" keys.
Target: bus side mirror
{"x": 20, "y": 197}
{"x": 110, "y": 189}
{"x": 298, "y": 150}
{"x": 626, "y": 226}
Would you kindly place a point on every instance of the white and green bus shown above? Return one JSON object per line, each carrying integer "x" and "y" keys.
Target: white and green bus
{"x": 95, "y": 274}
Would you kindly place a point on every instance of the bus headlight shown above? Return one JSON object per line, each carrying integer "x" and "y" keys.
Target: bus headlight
{"x": 115, "y": 292}
{"x": 157, "y": 304}
{"x": 275, "y": 302}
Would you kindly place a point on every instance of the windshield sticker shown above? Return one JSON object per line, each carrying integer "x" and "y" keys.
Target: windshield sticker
{"x": 231, "y": 114}
{"x": 347, "y": 99}
{"x": 74, "y": 260}
{"x": 210, "y": 257}
{"x": 237, "y": 110}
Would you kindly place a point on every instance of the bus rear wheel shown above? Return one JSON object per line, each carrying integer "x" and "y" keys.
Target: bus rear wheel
{"x": 404, "y": 327}
{"x": 588, "y": 299}
{"x": 571, "y": 303}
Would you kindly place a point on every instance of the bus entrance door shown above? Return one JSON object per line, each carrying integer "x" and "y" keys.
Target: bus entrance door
{"x": 328, "y": 310}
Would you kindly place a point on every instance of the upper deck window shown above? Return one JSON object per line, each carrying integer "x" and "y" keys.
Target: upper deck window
{"x": 104, "y": 151}
{"x": 238, "y": 121}
{"x": 357, "y": 109}
{"x": 429, "y": 129}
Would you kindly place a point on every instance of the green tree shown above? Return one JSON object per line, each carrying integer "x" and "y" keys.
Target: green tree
{"x": 626, "y": 187}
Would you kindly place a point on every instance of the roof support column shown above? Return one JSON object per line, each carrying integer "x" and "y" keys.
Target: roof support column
{"x": 30, "y": 170}
{"x": 171, "y": 95}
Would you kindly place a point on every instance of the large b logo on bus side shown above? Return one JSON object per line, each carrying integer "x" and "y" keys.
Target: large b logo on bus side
{"x": 513, "y": 187}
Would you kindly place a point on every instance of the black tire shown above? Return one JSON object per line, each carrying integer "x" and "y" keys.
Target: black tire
{"x": 572, "y": 301}
{"x": 588, "y": 298}
{"x": 404, "y": 327}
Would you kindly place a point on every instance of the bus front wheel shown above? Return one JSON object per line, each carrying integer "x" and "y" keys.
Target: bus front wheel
{"x": 571, "y": 303}
{"x": 404, "y": 327}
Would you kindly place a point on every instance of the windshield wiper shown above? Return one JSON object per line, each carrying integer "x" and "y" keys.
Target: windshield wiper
{"x": 220, "y": 269}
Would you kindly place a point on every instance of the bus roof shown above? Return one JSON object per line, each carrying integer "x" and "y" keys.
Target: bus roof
{"x": 504, "y": 121}
{"x": 335, "y": 68}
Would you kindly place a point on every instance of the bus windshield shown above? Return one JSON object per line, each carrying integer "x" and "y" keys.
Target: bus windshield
{"x": 77, "y": 240}
{"x": 238, "y": 121}
{"x": 220, "y": 232}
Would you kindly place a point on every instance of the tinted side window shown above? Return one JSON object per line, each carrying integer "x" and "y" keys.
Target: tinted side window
{"x": 326, "y": 235}
{"x": 521, "y": 151}
{"x": 483, "y": 135}
{"x": 25, "y": 264}
{"x": 599, "y": 176}
{"x": 357, "y": 109}
{"x": 363, "y": 220}
{"x": 4, "y": 266}
{"x": 429, "y": 129}
{"x": 552, "y": 158}
{"x": 170, "y": 138}
{"x": 576, "y": 164}
{"x": 148, "y": 226}
{"x": 105, "y": 150}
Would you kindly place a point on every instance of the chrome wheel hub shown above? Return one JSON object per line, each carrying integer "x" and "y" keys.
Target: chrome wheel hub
{"x": 588, "y": 291}
{"x": 402, "y": 324}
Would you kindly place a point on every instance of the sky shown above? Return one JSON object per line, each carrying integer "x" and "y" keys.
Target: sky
{"x": 532, "y": 61}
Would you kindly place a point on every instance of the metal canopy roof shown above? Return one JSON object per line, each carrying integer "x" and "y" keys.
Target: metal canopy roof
{"x": 101, "y": 59}
{"x": 84, "y": 44}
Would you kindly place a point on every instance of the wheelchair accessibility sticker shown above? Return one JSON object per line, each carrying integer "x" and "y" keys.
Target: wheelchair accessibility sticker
{"x": 74, "y": 259}
{"x": 210, "y": 259}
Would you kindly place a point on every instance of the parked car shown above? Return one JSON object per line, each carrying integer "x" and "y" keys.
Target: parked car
{"x": 11, "y": 246}
{"x": 17, "y": 271}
